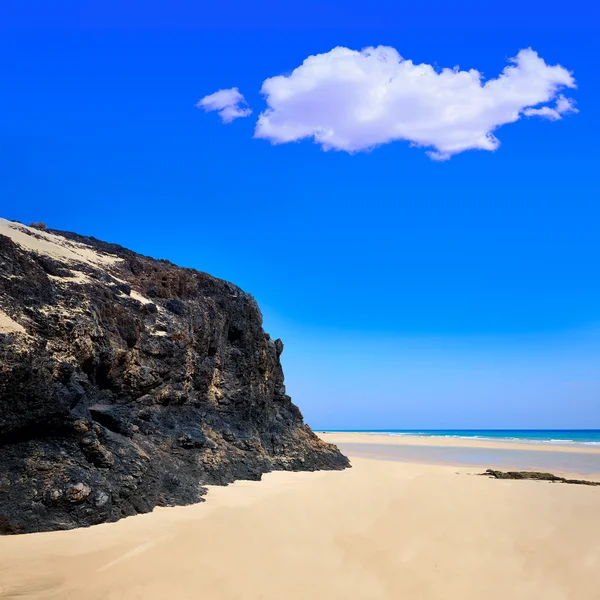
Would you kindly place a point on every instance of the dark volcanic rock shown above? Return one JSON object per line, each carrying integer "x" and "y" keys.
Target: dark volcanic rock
{"x": 112, "y": 403}
{"x": 536, "y": 476}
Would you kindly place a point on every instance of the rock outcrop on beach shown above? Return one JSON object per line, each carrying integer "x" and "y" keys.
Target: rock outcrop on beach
{"x": 537, "y": 476}
{"x": 128, "y": 383}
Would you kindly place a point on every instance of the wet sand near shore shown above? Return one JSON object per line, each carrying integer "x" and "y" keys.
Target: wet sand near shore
{"x": 576, "y": 460}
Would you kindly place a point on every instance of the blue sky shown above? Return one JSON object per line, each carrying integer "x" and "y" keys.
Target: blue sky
{"x": 409, "y": 293}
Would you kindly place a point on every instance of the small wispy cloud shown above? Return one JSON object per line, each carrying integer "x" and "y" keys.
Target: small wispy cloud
{"x": 354, "y": 100}
{"x": 562, "y": 107}
{"x": 230, "y": 104}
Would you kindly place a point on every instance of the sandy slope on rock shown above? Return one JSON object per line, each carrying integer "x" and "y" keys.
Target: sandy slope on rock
{"x": 381, "y": 530}
{"x": 8, "y": 325}
{"x": 68, "y": 252}
{"x": 53, "y": 245}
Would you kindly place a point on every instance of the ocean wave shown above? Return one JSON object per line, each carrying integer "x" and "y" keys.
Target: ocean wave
{"x": 506, "y": 439}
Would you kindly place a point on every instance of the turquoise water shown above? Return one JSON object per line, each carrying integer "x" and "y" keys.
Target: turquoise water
{"x": 556, "y": 436}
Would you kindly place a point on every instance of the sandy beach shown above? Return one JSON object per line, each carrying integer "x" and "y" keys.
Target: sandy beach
{"x": 381, "y": 530}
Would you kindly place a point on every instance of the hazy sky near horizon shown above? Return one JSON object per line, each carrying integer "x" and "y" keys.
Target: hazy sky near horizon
{"x": 414, "y": 287}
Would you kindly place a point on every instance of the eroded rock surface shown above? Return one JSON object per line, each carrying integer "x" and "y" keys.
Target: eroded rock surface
{"x": 128, "y": 383}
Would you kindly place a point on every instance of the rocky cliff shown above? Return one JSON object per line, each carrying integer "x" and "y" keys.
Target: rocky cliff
{"x": 128, "y": 383}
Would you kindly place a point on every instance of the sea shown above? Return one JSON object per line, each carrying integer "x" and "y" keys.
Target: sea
{"x": 548, "y": 436}
{"x": 568, "y": 460}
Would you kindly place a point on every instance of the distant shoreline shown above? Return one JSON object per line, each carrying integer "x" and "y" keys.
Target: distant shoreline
{"x": 577, "y": 438}
{"x": 563, "y": 459}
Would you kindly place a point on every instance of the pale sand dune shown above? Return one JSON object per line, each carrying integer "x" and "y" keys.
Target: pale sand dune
{"x": 381, "y": 530}
{"x": 8, "y": 325}
{"x": 137, "y": 296}
{"x": 67, "y": 251}
{"x": 54, "y": 246}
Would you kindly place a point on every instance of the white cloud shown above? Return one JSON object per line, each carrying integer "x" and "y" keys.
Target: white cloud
{"x": 563, "y": 106}
{"x": 350, "y": 100}
{"x": 229, "y": 103}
